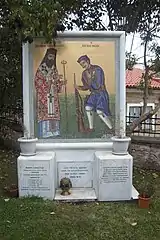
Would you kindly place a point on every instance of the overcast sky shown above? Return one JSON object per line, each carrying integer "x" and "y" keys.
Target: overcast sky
{"x": 137, "y": 48}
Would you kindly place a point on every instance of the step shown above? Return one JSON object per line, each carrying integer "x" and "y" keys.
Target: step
{"x": 135, "y": 193}
{"x": 77, "y": 194}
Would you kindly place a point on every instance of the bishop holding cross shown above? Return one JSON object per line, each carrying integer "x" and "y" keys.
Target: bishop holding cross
{"x": 48, "y": 85}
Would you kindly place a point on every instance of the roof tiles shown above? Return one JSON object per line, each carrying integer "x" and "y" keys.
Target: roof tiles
{"x": 133, "y": 78}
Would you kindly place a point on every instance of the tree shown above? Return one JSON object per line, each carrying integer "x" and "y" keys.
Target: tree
{"x": 21, "y": 20}
{"x": 88, "y": 14}
{"x": 152, "y": 67}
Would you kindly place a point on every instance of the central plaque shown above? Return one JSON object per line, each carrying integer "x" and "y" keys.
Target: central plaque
{"x": 80, "y": 173}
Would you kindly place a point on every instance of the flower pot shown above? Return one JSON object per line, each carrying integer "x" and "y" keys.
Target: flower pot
{"x": 12, "y": 191}
{"x": 143, "y": 202}
{"x": 28, "y": 146}
{"x": 120, "y": 145}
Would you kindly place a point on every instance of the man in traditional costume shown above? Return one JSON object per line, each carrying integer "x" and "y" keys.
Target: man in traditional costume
{"x": 48, "y": 85}
{"x": 93, "y": 79}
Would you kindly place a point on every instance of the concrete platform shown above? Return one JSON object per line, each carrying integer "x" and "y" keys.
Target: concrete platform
{"x": 85, "y": 194}
{"x": 134, "y": 193}
{"x": 77, "y": 194}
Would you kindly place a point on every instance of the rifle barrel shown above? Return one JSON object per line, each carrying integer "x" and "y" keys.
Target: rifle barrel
{"x": 74, "y": 79}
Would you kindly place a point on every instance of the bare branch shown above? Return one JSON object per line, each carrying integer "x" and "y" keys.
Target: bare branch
{"x": 146, "y": 77}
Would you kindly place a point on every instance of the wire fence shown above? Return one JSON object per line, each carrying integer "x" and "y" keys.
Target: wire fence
{"x": 150, "y": 127}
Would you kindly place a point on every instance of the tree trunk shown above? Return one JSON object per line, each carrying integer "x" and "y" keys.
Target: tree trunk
{"x": 145, "y": 115}
{"x": 146, "y": 78}
{"x": 142, "y": 118}
{"x": 110, "y": 16}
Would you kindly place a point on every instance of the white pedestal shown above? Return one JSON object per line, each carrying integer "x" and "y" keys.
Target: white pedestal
{"x": 36, "y": 175}
{"x": 98, "y": 176}
{"x": 114, "y": 177}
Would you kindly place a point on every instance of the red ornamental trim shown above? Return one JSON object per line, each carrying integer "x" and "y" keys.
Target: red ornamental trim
{"x": 42, "y": 87}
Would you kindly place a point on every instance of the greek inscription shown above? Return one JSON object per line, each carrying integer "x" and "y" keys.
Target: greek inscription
{"x": 74, "y": 172}
{"x": 115, "y": 174}
{"x": 90, "y": 45}
{"x": 34, "y": 177}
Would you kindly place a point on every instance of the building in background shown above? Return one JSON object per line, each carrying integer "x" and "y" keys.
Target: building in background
{"x": 134, "y": 99}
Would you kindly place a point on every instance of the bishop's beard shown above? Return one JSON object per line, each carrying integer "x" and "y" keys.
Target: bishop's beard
{"x": 50, "y": 63}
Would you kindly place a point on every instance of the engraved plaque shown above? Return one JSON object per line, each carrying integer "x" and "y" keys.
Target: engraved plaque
{"x": 119, "y": 174}
{"x": 35, "y": 176}
{"x": 80, "y": 173}
{"x": 115, "y": 178}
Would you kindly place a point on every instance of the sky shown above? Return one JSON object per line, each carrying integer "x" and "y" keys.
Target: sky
{"x": 133, "y": 44}
{"x": 136, "y": 48}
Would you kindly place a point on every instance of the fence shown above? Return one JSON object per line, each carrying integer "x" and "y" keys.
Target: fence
{"x": 149, "y": 127}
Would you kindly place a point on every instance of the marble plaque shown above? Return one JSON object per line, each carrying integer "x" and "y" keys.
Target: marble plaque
{"x": 115, "y": 177}
{"x": 80, "y": 173}
{"x": 36, "y": 176}
{"x": 115, "y": 174}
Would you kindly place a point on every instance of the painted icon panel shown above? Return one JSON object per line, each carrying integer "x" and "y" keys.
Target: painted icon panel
{"x": 74, "y": 88}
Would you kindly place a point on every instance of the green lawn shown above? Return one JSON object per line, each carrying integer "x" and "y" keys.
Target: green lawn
{"x": 35, "y": 219}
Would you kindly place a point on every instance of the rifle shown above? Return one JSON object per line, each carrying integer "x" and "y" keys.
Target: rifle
{"x": 66, "y": 103}
{"x": 79, "y": 108}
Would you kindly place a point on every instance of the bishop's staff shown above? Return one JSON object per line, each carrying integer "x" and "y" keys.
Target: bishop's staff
{"x": 65, "y": 90}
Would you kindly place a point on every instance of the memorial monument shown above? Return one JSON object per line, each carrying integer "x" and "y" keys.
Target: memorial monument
{"x": 73, "y": 95}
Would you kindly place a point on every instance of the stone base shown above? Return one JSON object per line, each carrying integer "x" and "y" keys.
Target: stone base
{"x": 135, "y": 193}
{"x": 36, "y": 175}
{"x": 114, "y": 176}
{"x": 98, "y": 176}
{"x": 77, "y": 194}
{"x": 85, "y": 194}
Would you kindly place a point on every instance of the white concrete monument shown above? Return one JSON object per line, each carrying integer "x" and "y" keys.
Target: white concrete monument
{"x": 35, "y": 175}
{"x": 96, "y": 173}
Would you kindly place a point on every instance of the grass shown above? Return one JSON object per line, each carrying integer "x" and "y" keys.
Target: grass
{"x": 38, "y": 220}
{"x": 35, "y": 219}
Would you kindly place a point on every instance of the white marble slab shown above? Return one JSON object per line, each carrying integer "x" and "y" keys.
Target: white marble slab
{"x": 80, "y": 173}
{"x": 115, "y": 177}
{"x": 81, "y": 194}
{"x": 36, "y": 175}
{"x": 106, "y": 178}
{"x": 135, "y": 193}
{"x": 77, "y": 194}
